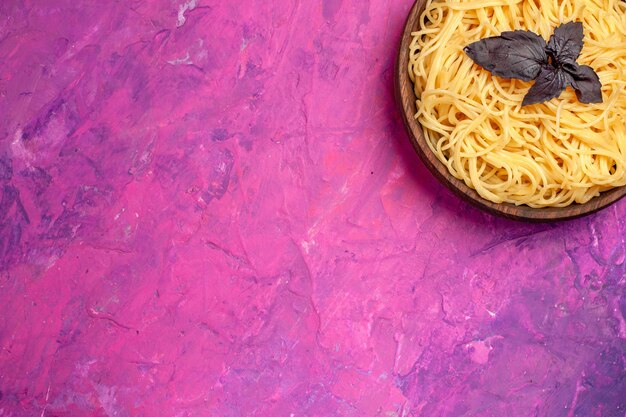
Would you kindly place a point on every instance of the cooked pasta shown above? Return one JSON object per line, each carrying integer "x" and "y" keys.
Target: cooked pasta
{"x": 551, "y": 154}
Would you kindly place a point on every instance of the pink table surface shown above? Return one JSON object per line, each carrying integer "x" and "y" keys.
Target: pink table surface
{"x": 211, "y": 208}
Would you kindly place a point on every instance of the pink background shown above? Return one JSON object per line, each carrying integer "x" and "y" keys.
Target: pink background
{"x": 211, "y": 208}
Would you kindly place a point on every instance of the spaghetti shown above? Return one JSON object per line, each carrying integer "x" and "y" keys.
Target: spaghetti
{"x": 550, "y": 154}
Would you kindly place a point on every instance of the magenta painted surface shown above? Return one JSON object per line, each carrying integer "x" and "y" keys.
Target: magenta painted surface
{"x": 211, "y": 208}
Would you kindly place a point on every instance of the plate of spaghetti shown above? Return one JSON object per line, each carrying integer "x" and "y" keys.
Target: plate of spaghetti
{"x": 519, "y": 106}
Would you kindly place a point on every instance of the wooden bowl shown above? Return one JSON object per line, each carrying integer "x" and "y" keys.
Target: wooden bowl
{"x": 406, "y": 100}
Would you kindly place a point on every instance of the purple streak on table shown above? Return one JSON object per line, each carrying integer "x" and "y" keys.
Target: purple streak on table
{"x": 210, "y": 208}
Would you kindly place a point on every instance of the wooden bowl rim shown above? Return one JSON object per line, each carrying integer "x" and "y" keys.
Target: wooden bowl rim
{"x": 406, "y": 100}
